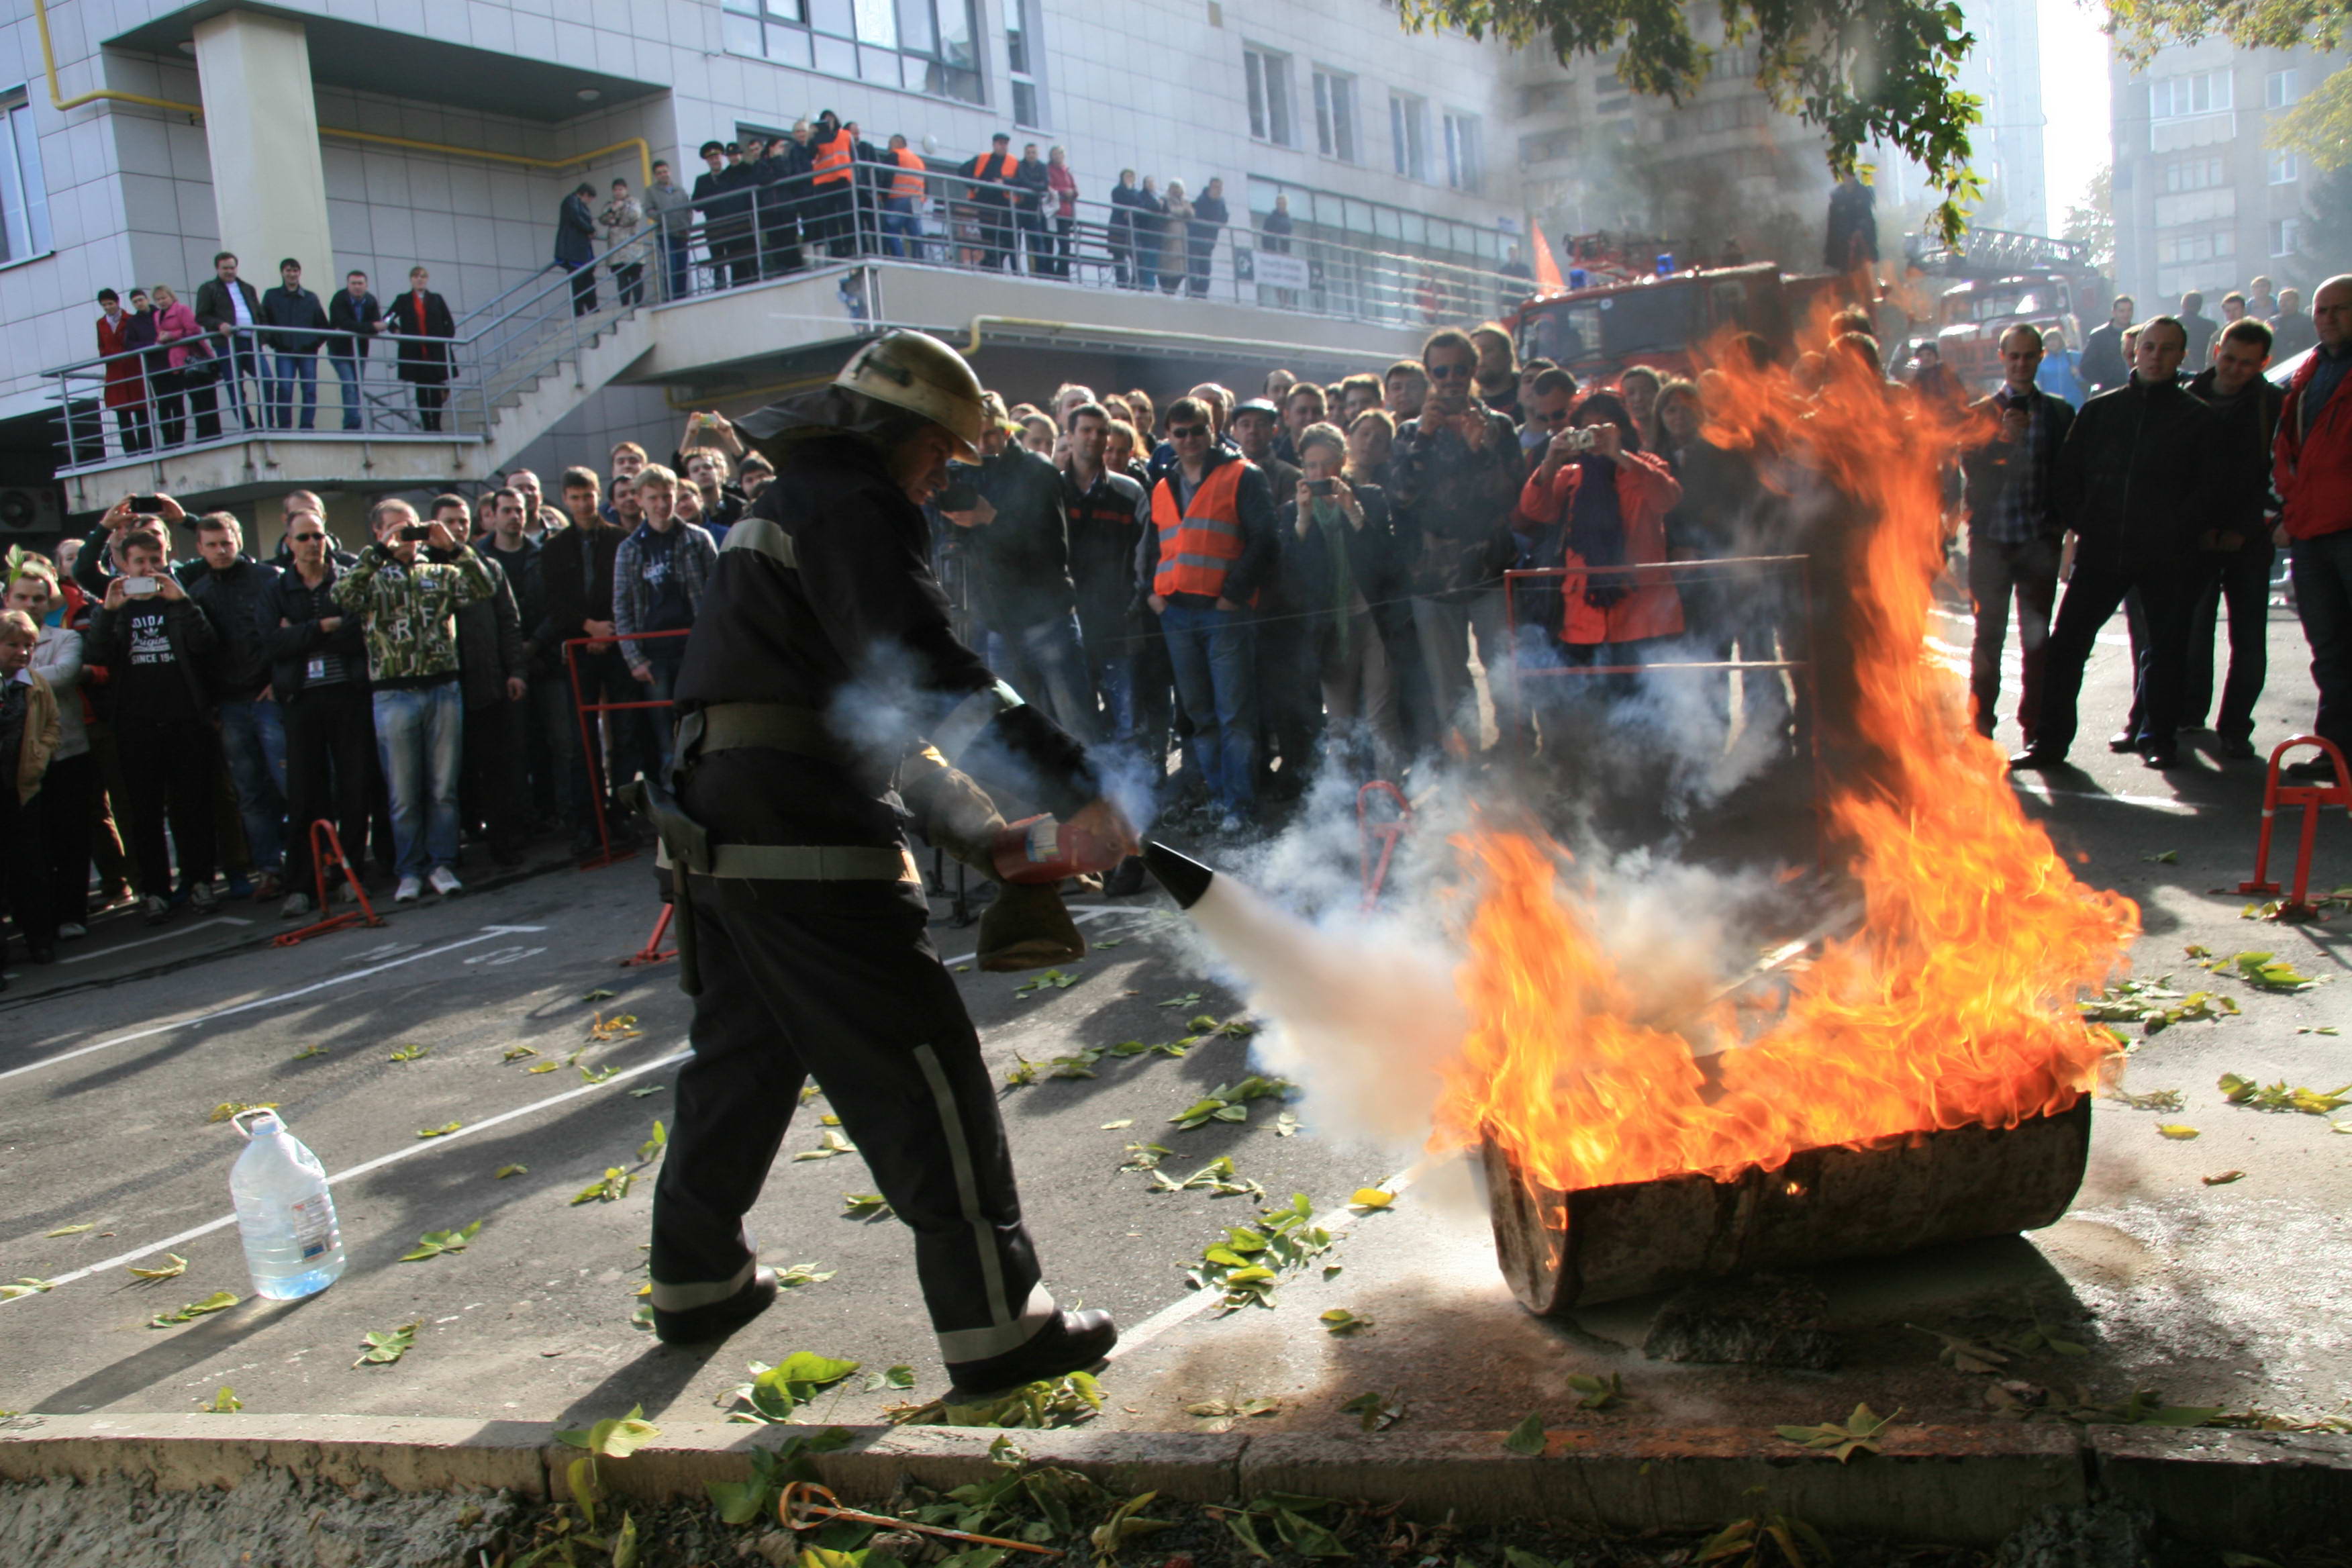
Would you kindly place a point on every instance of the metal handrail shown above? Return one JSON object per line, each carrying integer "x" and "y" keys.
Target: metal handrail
{"x": 787, "y": 228}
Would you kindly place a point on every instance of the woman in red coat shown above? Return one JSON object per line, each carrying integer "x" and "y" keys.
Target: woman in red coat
{"x": 126, "y": 379}
{"x": 1605, "y": 506}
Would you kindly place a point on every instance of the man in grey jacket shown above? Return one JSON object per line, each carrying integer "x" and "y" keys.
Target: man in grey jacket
{"x": 670, "y": 209}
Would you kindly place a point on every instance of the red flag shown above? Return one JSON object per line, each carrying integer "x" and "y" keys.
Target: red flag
{"x": 1548, "y": 278}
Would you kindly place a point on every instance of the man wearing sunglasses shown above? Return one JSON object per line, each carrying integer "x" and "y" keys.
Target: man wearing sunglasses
{"x": 1210, "y": 547}
{"x": 1456, "y": 471}
{"x": 317, "y": 670}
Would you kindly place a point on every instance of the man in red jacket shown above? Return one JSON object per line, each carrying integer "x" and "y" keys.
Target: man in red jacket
{"x": 2314, "y": 479}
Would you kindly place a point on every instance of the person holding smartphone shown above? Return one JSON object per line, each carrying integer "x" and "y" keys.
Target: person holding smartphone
{"x": 154, "y": 641}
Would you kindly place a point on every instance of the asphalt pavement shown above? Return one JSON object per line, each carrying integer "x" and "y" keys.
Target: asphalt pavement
{"x": 475, "y": 1019}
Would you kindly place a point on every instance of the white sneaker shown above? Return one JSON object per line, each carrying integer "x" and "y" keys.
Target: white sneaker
{"x": 445, "y": 881}
{"x": 408, "y": 891}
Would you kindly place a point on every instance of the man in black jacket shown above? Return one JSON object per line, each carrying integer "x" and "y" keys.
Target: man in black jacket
{"x": 235, "y": 593}
{"x": 2015, "y": 530}
{"x": 301, "y": 326}
{"x": 516, "y": 554}
{"x": 491, "y": 668}
{"x": 575, "y": 569}
{"x": 1029, "y": 192}
{"x": 2102, "y": 368}
{"x": 2233, "y": 556}
{"x": 356, "y": 317}
{"x": 987, "y": 184}
{"x": 228, "y": 305}
{"x": 1017, "y": 539}
{"x": 318, "y": 673}
{"x": 721, "y": 197}
{"x": 2135, "y": 480}
{"x": 801, "y": 900}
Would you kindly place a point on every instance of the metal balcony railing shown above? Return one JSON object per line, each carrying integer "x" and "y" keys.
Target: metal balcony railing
{"x": 396, "y": 387}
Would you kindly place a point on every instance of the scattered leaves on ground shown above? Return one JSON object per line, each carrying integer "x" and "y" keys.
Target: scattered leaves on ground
{"x": 864, "y": 1205}
{"x": 434, "y": 1243}
{"x": 1528, "y": 1437}
{"x": 1145, "y": 1156}
{"x": 516, "y": 1053}
{"x": 228, "y": 1108}
{"x": 655, "y": 1141}
{"x": 409, "y": 1053}
{"x": 1376, "y": 1411}
{"x": 2268, "y": 972}
{"x": 828, "y": 1145}
{"x": 2154, "y": 1099}
{"x": 1245, "y": 1265}
{"x": 2179, "y": 1132}
{"x": 542, "y": 1067}
{"x": 225, "y": 1403}
{"x": 1232, "y": 1410}
{"x": 611, "y": 1187}
{"x": 503, "y": 1172}
{"x": 1288, "y": 1516}
{"x": 775, "y": 1392}
{"x": 803, "y": 1274}
{"x": 2154, "y": 1006}
{"x": 2277, "y": 1096}
{"x": 25, "y": 1285}
{"x": 1217, "y": 1178}
{"x": 596, "y": 1074}
{"x": 2322, "y": 906}
{"x": 1052, "y": 978}
{"x": 441, "y": 1131}
{"x": 619, "y": 1026}
{"x": 1055, "y": 1402}
{"x": 173, "y": 1267}
{"x": 218, "y": 1302}
{"x": 1286, "y": 1125}
{"x": 1367, "y": 1199}
{"x": 1188, "y": 999}
{"x": 1230, "y": 1102}
{"x": 616, "y": 1437}
{"x": 890, "y": 1377}
{"x": 1340, "y": 1320}
{"x": 1858, "y": 1433}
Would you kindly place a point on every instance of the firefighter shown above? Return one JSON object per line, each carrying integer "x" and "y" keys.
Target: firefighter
{"x": 822, "y": 670}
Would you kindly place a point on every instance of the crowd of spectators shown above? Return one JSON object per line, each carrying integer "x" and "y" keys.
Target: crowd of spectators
{"x": 1235, "y": 593}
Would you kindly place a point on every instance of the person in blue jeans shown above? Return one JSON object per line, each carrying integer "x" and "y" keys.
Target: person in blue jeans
{"x": 356, "y": 316}
{"x": 299, "y": 323}
{"x": 659, "y": 574}
{"x": 409, "y": 606}
{"x": 236, "y": 592}
{"x": 1210, "y": 546}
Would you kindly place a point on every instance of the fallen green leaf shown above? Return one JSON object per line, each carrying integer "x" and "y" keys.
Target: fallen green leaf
{"x": 410, "y": 1053}
{"x": 616, "y": 1437}
{"x": 173, "y": 1267}
{"x": 1528, "y": 1437}
{"x": 218, "y": 1302}
{"x": 1340, "y": 1320}
{"x": 1376, "y": 1411}
{"x": 651, "y": 1088}
{"x": 307, "y": 1052}
{"x": 830, "y": 1144}
{"x": 228, "y": 1108}
{"x": 1858, "y": 1433}
{"x": 68, "y": 1230}
{"x": 503, "y": 1172}
{"x": 864, "y": 1205}
{"x": 434, "y": 1243}
{"x": 599, "y": 995}
{"x": 2178, "y": 1130}
{"x": 25, "y": 1285}
{"x": 225, "y": 1403}
{"x": 2169, "y": 858}
{"x": 1367, "y": 1199}
{"x": 654, "y": 1144}
{"x": 441, "y": 1131}
{"x": 892, "y": 1377}
{"x": 541, "y": 1066}
{"x": 516, "y": 1053}
{"x": 611, "y": 1187}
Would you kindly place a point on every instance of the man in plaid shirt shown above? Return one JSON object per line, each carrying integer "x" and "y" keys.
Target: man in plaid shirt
{"x": 2014, "y": 534}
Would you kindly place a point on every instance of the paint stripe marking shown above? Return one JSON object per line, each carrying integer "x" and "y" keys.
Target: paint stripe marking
{"x": 142, "y": 942}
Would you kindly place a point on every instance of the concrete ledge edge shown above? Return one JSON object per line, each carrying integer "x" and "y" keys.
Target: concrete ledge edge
{"x": 1962, "y": 1484}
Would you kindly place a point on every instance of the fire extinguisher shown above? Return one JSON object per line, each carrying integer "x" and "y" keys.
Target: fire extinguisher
{"x": 1046, "y": 850}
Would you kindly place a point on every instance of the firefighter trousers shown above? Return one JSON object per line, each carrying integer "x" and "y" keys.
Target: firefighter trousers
{"x": 839, "y": 982}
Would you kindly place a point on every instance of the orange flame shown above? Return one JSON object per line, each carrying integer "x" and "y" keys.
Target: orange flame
{"x": 1954, "y": 1004}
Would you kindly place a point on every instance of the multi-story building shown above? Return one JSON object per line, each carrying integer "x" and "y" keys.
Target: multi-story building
{"x": 2005, "y": 71}
{"x": 2202, "y": 201}
{"x": 1725, "y": 167}
{"x": 138, "y": 137}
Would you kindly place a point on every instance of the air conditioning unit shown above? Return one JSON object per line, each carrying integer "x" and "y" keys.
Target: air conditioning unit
{"x": 31, "y": 508}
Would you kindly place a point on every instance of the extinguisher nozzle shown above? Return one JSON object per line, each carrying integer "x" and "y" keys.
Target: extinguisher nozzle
{"x": 1184, "y": 876}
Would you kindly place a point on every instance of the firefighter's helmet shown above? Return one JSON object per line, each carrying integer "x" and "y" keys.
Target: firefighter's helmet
{"x": 915, "y": 372}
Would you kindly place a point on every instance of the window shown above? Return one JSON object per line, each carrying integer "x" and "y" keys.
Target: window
{"x": 2286, "y": 237}
{"x": 2286, "y": 168}
{"x": 2192, "y": 173}
{"x": 1465, "y": 164}
{"x": 24, "y": 196}
{"x": 1269, "y": 95}
{"x": 1020, "y": 62}
{"x": 921, "y": 46}
{"x": 1409, "y": 134}
{"x": 1335, "y": 114}
{"x": 2206, "y": 247}
{"x": 2206, "y": 92}
{"x": 2278, "y": 88}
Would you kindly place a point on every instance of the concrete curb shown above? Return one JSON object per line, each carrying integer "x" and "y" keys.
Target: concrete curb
{"x": 1971, "y": 1484}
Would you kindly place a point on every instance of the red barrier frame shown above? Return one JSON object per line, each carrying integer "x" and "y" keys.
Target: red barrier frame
{"x": 319, "y": 861}
{"x": 2311, "y": 798}
{"x": 589, "y": 753}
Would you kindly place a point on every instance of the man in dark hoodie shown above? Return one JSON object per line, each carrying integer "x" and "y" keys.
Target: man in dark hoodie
{"x": 2233, "y": 556}
{"x": 235, "y": 593}
{"x": 575, "y": 569}
{"x": 1018, "y": 539}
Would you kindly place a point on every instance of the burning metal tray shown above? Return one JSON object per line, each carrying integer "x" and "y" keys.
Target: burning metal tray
{"x": 1560, "y": 1250}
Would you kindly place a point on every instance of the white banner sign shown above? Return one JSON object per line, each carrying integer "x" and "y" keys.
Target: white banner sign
{"x": 1280, "y": 271}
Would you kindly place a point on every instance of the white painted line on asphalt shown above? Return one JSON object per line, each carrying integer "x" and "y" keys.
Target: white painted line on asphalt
{"x": 364, "y": 1166}
{"x": 2042, "y": 791}
{"x": 1200, "y": 1301}
{"x": 487, "y": 934}
{"x": 142, "y": 942}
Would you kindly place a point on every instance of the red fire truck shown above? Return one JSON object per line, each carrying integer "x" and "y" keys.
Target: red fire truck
{"x": 1606, "y": 326}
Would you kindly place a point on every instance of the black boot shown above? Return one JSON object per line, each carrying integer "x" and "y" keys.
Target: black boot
{"x": 1073, "y": 1342}
{"x": 700, "y": 1325}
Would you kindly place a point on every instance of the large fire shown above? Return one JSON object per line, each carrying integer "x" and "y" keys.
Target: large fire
{"x": 1953, "y": 1004}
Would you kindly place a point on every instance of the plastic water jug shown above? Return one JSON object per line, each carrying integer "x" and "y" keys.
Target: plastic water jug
{"x": 284, "y": 1211}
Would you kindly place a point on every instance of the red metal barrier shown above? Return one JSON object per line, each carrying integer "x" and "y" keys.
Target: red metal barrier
{"x": 327, "y": 850}
{"x": 1376, "y": 873}
{"x": 652, "y": 951}
{"x": 2311, "y": 798}
{"x": 591, "y": 753}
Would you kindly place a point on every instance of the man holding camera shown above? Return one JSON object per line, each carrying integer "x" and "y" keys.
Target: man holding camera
{"x": 409, "y": 606}
{"x": 154, "y": 640}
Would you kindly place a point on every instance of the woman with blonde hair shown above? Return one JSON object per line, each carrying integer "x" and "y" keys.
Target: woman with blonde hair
{"x": 1176, "y": 238}
{"x": 1343, "y": 568}
{"x": 181, "y": 339}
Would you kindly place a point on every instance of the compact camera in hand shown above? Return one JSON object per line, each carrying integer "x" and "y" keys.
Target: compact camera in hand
{"x": 1582, "y": 440}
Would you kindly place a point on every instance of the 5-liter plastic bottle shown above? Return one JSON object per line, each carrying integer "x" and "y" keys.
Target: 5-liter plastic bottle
{"x": 284, "y": 1212}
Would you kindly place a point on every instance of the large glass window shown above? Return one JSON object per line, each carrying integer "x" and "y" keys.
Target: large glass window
{"x": 1465, "y": 160}
{"x": 1335, "y": 114}
{"x": 922, "y": 46}
{"x": 24, "y": 196}
{"x": 1268, "y": 80}
{"x": 1021, "y": 60}
{"x": 2176, "y": 97}
{"x": 1409, "y": 134}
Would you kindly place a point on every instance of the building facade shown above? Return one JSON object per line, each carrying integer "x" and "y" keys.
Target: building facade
{"x": 2202, "y": 201}
{"x": 144, "y": 136}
